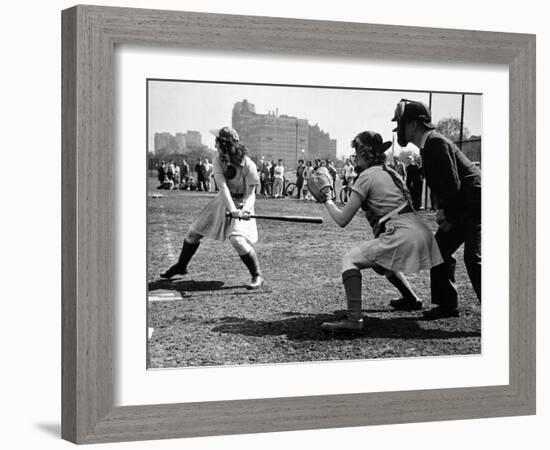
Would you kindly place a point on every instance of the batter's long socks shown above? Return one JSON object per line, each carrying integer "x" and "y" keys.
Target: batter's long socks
{"x": 187, "y": 252}
{"x": 251, "y": 262}
{"x": 352, "y": 285}
{"x": 400, "y": 282}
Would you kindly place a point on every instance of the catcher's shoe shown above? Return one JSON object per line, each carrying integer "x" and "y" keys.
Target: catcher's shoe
{"x": 343, "y": 326}
{"x": 440, "y": 312}
{"x": 402, "y": 304}
{"x": 255, "y": 283}
{"x": 174, "y": 270}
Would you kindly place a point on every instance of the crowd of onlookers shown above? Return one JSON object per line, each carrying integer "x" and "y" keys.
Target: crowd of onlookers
{"x": 172, "y": 175}
{"x": 273, "y": 178}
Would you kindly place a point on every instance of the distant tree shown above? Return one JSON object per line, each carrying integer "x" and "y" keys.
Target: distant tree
{"x": 193, "y": 152}
{"x": 450, "y": 127}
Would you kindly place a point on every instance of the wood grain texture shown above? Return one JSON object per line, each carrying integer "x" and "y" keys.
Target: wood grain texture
{"x": 89, "y": 36}
{"x": 68, "y": 224}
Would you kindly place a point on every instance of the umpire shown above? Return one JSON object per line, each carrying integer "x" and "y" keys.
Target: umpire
{"x": 456, "y": 184}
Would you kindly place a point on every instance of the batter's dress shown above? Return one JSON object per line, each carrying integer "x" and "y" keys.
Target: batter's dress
{"x": 406, "y": 244}
{"x": 212, "y": 221}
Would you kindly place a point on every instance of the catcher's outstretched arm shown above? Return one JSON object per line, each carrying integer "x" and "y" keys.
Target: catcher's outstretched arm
{"x": 343, "y": 216}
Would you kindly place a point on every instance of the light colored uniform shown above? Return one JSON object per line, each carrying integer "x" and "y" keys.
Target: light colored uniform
{"x": 212, "y": 221}
{"x": 278, "y": 180}
{"x": 407, "y": 244}
{"x": 307, "y": 173}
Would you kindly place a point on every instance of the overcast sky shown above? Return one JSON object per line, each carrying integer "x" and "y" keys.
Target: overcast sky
{"x": 177, "y": 106}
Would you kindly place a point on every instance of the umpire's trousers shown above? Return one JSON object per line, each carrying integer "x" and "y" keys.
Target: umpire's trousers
{"x": 468, "y": 232}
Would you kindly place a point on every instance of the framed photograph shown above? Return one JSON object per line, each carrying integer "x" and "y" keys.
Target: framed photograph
{"x": 192, "y": 239}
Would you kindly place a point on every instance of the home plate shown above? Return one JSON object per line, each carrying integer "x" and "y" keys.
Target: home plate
{"x": 163, "y": 295}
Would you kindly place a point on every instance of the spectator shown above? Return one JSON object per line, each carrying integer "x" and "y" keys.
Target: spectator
{"x": 161, "y": 173}
{"x": 278, "y": 179}
{"x": 300, "y": 177}
{"x": 265, "y": 174}
{"x": 272, "y": 171}
{"x": 201, "y": 172}
{"x": 184, "y": 171}
{"x": 208, "y": 175}
{"x": 170, "y": 170}
{"x": 307, "y": 173}
{"x": 399, "y": 167}
{"x": 177, "y": 178}
{"x": 332, "y": 171}
{"x": 349, "y": 173}
{"x": 166, "y": 184}
{"x": 414, "y": 182}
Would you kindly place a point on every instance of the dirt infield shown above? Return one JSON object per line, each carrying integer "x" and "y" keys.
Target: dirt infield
{"x": 208, "y": 318}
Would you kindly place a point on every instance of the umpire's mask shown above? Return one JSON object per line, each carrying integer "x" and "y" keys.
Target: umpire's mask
{"x": 400, "y": 119}
{"x": 408, "y": 110}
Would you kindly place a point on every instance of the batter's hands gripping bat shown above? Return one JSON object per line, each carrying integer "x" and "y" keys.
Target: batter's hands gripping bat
{"x": 300, "y": 219}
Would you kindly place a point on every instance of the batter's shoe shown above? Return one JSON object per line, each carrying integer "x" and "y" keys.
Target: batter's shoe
{"x": 402, "y": 304}
{"x": 256, "y": 283}
{"x": 343, "y": 326}
{"x": 174, "y": 270}
{"x": 440, "y": 312}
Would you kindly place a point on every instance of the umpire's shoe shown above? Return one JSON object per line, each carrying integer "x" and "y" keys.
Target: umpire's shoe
{"x": 255, "y": 283}
{"x": 440, "y": 312}
{"x": 343, "y": 326}
{"x": 174, "y": 270}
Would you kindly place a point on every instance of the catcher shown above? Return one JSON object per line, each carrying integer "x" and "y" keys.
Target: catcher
{"x": 402, "y": 243}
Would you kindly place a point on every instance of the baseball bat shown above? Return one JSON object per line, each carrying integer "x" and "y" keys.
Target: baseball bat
{"x": 300, "y": 219}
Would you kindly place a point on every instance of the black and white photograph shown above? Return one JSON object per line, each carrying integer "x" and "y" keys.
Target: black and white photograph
{"x": 290, "y": 224}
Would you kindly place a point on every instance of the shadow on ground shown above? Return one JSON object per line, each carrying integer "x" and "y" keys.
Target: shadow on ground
{"x": 53, "y": 429}
{"x": 307, "y": 327}
{"x": 190, "y": 285}
{"x": 190, "y": 288}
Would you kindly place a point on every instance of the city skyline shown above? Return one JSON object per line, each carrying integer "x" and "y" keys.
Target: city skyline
{"x": 175, "y": 106}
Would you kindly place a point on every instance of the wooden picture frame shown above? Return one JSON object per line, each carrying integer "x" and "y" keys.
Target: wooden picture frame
{"x": 90, "y": 34}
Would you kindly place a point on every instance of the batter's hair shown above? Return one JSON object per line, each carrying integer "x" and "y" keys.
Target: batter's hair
{"x": 235, "y": 150}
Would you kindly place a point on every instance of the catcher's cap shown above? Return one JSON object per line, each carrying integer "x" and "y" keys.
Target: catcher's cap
{"x": 371, "y": 139}
{"x": 226, "y": 133}
{"x": 413, "y": 110}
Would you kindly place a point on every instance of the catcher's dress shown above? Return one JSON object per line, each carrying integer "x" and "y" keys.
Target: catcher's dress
{"x": 406, "y": 244}
{"x": 212, "y": 221}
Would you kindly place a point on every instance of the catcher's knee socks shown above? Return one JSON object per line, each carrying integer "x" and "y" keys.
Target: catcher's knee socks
{"x": 250, "y": 260}
{"x": 352, "y": 285}
{"x": 403, "y": 289}
{"x": 187, "y": 252}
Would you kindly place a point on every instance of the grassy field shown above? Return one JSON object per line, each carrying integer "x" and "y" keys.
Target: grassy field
{"x": 208, "y": 318}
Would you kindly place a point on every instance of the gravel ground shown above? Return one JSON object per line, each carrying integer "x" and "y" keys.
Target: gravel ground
{"x": 213, "y": 320}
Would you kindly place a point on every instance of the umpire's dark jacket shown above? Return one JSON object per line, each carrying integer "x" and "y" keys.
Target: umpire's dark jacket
{"x": 452, "y": 177}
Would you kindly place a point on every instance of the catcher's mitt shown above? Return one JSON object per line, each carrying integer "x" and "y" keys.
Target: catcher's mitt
{"x": 320, "y": 185}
